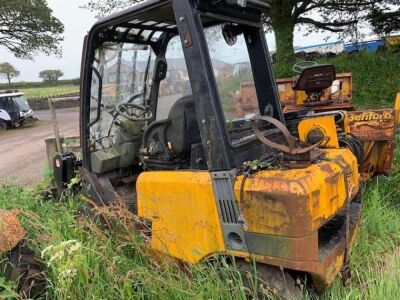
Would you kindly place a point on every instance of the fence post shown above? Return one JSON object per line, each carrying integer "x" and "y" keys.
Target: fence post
{"x": 55, "y": 125}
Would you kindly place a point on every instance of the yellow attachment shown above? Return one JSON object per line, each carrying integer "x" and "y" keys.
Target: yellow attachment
{"x": 297, "y": 202}
{"x": 346, "y": 122}
{"x": 393, "y": 40}
{"x": 183, "y": 212}
{"x": 288, "y": 96}
{"x": 397, "y": 108}
{"x": 319, "y": 128}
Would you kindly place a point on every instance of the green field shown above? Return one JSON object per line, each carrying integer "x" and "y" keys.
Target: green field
{"x": 49, "y": 91}
{"x": 83, "y": 261}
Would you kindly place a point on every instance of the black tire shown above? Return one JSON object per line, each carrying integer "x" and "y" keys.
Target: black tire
{"x": 268, "y": 281}
{"x": 3, "y": 126}
{"x": 24, "y": 268}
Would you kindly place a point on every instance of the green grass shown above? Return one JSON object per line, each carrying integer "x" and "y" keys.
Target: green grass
{"x": 83, "y": 262}
{"x": 50, "y": 91}
{"x": 376, "y": 254}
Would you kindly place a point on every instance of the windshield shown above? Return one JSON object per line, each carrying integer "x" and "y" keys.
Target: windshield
{"x": 22, "y": 103}
{"x": 123, "y": 71}
{"x": 233, "y": 73}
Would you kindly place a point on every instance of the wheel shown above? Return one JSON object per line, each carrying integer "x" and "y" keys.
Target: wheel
{"x": 266, "y": 280}
{"x": 24, "y": 268}
{"x": 3, "y": 126}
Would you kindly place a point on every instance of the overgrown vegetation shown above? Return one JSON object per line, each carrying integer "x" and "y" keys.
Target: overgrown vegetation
{"x": 376, "y": 77}
{"x": 84, "y": 262}
{"x": 375, "y": 256}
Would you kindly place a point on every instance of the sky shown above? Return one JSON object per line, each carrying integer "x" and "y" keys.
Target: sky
{"x": 77, "y": 22}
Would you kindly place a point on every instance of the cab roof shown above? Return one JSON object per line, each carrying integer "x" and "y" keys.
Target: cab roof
{"x": 146, "y": 22}
{"x": 161, "y": 11}
{"x": 13, "y": 94}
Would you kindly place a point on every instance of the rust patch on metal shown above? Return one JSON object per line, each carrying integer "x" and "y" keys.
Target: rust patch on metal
{"x": 322, "y": 271}
{"x": 376, "y": 129}
{"x": 11, "y": 230}
{"x": 373, "y": 125}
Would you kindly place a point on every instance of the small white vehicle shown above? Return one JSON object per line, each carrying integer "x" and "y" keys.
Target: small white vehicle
{"x": 14, "y": 110}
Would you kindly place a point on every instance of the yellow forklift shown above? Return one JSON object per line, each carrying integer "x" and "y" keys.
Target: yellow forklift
{"x": 273, "y": 191}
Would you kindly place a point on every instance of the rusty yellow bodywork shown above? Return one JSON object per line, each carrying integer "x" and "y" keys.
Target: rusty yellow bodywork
{"x": 296, "y": 203}
{"x": 11, "y": 230}
{"x": 282, "y": 211}
{"x": 183, "y": 212}
{"x": 326, "y": 125}
{"x": 294, "y": 100}
{"x": 376, "y": 129}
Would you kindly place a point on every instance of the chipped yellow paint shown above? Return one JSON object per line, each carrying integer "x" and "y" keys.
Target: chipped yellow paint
{"x": 325, "y": 124}
{"x": 183, "y": 212}
{"x": 297, "y": 202}
{"x": 346, "y": 123}
{"x": 288, "y": 95}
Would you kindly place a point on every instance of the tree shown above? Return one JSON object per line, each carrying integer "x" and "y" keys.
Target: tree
{"x": 286, "y": 15}
{"x": 8, "y": 71}
{"x": 384, "y": 22}
{"x": 51, "y": 75}
{"x": 28, "y": 27}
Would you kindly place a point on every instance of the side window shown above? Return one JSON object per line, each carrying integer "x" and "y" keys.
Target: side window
{"x": 176, "y": 84}
{"x": 6, "y": 104}
{"x": 124, "y": 70}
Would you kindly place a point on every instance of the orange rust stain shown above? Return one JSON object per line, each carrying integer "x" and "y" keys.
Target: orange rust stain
{"x": 295, "y": 203}
{"x": 11, "y": 230}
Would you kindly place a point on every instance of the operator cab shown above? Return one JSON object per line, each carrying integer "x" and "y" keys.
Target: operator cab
{"x": 145, "y": 108}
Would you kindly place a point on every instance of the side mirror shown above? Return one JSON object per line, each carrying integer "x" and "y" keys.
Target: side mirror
{"x": 161, "y": 69}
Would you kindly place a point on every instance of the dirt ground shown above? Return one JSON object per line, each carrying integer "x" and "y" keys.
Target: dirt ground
{"x": 23, "y": 151}
{"x": 23, "y": 158}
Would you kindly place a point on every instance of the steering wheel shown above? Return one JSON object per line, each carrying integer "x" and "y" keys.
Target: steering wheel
{"x": 141, "y": 113}
{"x": 291, "y": 147}
{"x": 300, "y": 66}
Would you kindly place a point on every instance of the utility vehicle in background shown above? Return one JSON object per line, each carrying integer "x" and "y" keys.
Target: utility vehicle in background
{"x": 14, "y": 110}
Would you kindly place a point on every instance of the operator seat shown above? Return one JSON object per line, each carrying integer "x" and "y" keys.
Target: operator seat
{"x": 170, "y": 141}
